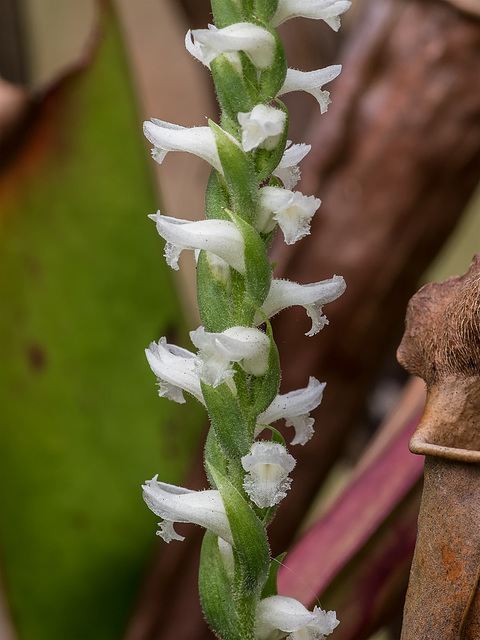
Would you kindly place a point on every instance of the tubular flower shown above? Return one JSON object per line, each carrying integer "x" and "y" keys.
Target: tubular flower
{"x": 287, "y": 170}
{"x": 326, "y": 10}
{"x": 278, "y": 616}
{"x": 267, "y": 465}
{"x": 165, "y": 137}
{"x": 291, "y": 209}
{"x": 220, "y": 237}
{"x": 247, "y": 346}
{"x": 284, "y": 294}
{"x": 256, "y": 42}
{"x": 263, "y": 125}
{"x": 176, "y": 504}
{"x": 175, "y": 371}
{"x": 294, "y": 407}
{"x": 311, "y": 82}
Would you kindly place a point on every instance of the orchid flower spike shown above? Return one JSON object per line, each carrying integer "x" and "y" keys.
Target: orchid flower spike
{"x": 175, "y": 371}
{"x": 246, "y": 345}
{"x": 262, "y": 126}
{"x": 284, "y": 294}
{"x": 287, "y": 170}
{"x": 326, "y": 10}
{"x": 267, "y": 465}
{"x": 176, "y": 504}
{"x": 221, "y": 237}
{"x": 294, "y": 407}
{"x": 291, "y": 209}
{"x": 165, "y": 137}
{"x": 255, "y": 41}
{"x": 311, "y": 82}
{"x": 277, "y": 614}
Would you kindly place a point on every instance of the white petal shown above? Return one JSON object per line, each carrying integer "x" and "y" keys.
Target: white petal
{"x": 294, "y": 408}
{"x": 291, "y": 209}
{"x": 176, "y": 504}
{"x": 255, "y": 41}
{"x": 175, "y": 370}
{"x": 327, "y": 10}
{"x": 263, "y": 125}
{"x": 287, "y": 170}
{"x": 290, "y": 616}
{"x": 268, "y": 465}
{"x": 165, "y": 137}
{"x": 312, "y": 82}
{"x": 220, "y": 237}
{"x": 284, "y": 294}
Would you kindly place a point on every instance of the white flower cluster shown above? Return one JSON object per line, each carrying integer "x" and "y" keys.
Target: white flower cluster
{"x": 219, "y": 355}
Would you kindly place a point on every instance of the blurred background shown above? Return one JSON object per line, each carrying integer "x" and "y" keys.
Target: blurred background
{"x": 84, "y": 289}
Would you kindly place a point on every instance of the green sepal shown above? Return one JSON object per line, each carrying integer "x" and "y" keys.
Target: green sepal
{"x": 264, "y": 388}
{"x": 270, "y": 587}
{"x": 258, "y": 274}
{"x": 239, "y": 172}
{"x": 248, "y": 535}
{"x": 226, "y": 12}
{"x": 227, "y": 418}
{"x": 264, "y": 9}
{"x": 272, "y": 79}
{"x": 216, "y": 592}
{"x": 213, "y": 298}
{"x": 216, "y": 197}
{"x": 230, "y": 86}
{"x": 214, "y": 456}
{"x": 265, "y": 160}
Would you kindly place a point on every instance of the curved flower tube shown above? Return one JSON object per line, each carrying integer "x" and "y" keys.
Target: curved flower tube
{"x": 285, "y": 293}
{"x": 165, "y": 137}
{"x": 287, "y": 170}
{"x": 175, "y": 371}
{"x": 294, "y": 407}
{"x": 263, "y": 125}
{"x": 311, "y": 82}
{"x": 176, "y": 504}
{"x": 246, "y": 345}
{"x": 255, "y": 41}
{"x": 326, "y": 10}
{"x": 220, "y": 237}
{"x": 267, "y": 465}
{"x": 278, "y": 616}
{"x": 291, "y": 209}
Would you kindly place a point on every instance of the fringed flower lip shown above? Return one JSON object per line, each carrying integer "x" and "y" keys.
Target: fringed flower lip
{"x": 294, "y": 407}
{"x": 267, "y": 465}
{"x": 288, "y": 170}
{"x": 262, "y": 126}
{"x": 327, "y": 10}
{"x": 283, "y": 614}
{"x": 176, "y": 504}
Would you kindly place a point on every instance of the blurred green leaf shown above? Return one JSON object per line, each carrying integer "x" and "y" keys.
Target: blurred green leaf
{"x": 83, "y": 290}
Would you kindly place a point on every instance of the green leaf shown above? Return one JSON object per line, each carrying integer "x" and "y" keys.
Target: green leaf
{"x": 213, "y": 298}
{"x": 227, "y": 419}
{"x": 239, "y": 172}
{"x": 270, "y": 587}
{"x": 248, "y": 535}
{"x": 217, "y": 198}
{"x": 272, "y": 79}
{"x": 264, "y": 388}
{"x": 83, "y": 290}
{"x": 216, "y": 592}
{"x": 226, "y": 12}
{"x": 232, "y": 92}
{"x": 264, "y": 9}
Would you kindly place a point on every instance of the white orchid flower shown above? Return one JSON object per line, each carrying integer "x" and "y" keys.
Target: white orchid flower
{"x": 287, "y": 170}
{"x": 326, "y": 10}
{"x": 311, "y": 82}
{"x": 176, "y": 504}
{"x": 291, "y": 209}
{"x": 255, "y": 41}
{"x": 294, "y": 407}
{"x": 246, "y": 345}
{"x": 278, "y": 616}
{"x": 221, "y": 237}
{"x": 262, "y": 126}
{"x": 285, "y": 293}
{"x": 165, "y": 137}
{"x": 175, "y": 371}
{"x": 267, "y": 465}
